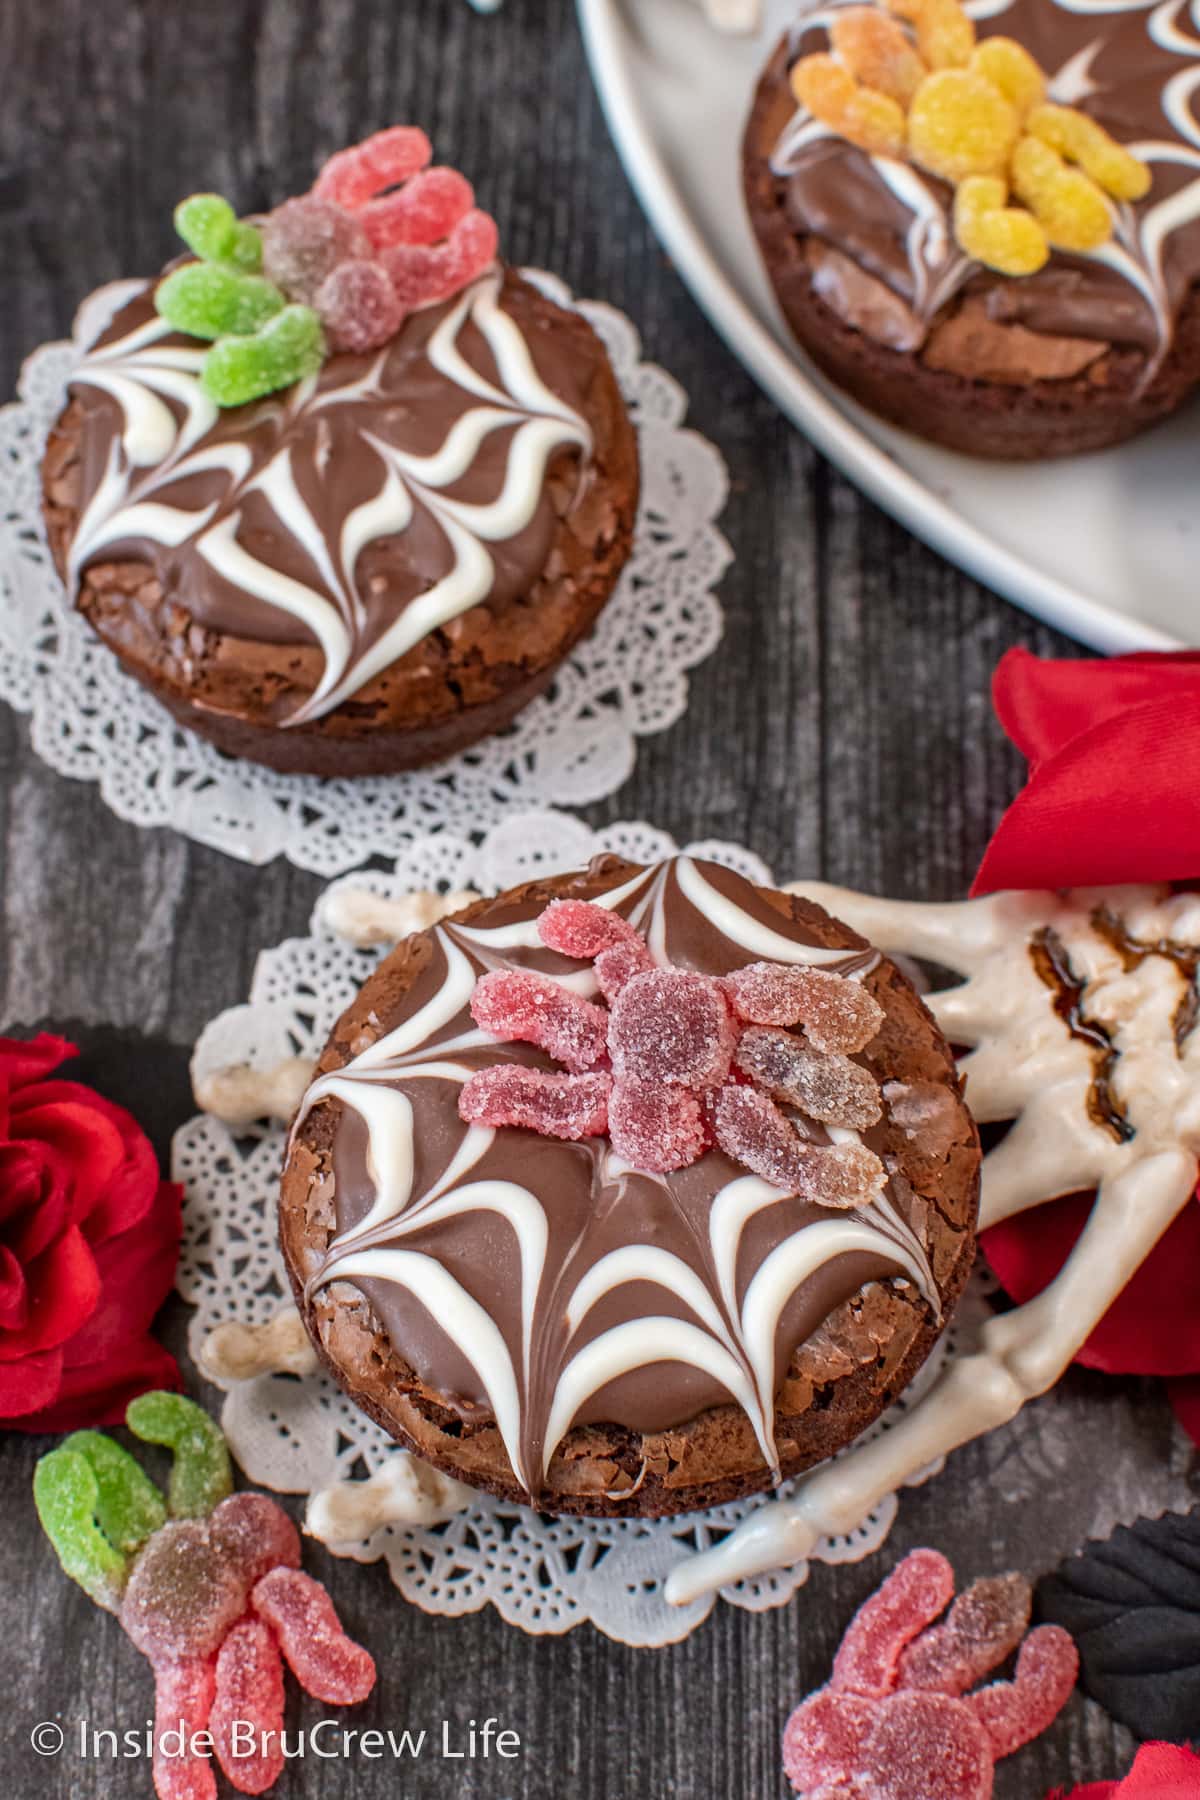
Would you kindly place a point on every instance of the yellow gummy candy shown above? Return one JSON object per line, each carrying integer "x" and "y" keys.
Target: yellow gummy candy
{"x": 1009, "y": 67}
{"x": 1076, "y": 136}
{"x": 1002, "y": 237}
{"x": 1067, "y": 202}
{"x": 945, "y": 35}
{"x": 869, "y": 119}
{"x": 960, "y": 125}
{"x": 876, "y": 51}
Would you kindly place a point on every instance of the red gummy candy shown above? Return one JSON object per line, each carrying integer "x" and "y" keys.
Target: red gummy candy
{"x": 424, "y": 274}
{"x": 358, "y": 307}
{"x": 559, "y": 1106}
{"x": 424, "y": 211}
{"x": 304, "y": 240}
{"x": 656, "y": 1129}
{"x": 354, "y": 176}
{"x": 915, "y": 1592}
{"x": 825, "y": 1738}
{"x": 183, "y": 1692}
{"x": 750, "y": 1128}
{"x": 1014, "y": 1712}
{"x": 985, "y": 1624}
{"x": 673, "y": 1027}
{"x": 583, "y": 929}
{"x": 517, "y": 1006}
{"x": 182, "y": 1595}
{"x": 252, "y": 1534}
{"x": 323, "y": 1659}
{"x": 837, "y": 1014}
{"x": 829, "y": 1088}
{"x": 249, "y": 1693}
{"x": 616, "y": 968}
{"x": 926, "y": 1744}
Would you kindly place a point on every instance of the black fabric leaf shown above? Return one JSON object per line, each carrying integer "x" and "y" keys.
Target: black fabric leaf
{"x": 1132, "y": 1604}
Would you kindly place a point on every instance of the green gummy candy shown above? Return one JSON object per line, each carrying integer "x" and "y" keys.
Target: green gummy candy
{"x": 285, "y": 349}
{"x": 67, "y": 1496}
{"x": 201, "y": 1474}
{"x": 209, "y": 301}
{"x": 209, "y": 226}
{"x": 128, "y": 1505}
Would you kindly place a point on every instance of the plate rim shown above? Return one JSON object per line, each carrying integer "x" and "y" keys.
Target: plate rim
{"x": 782, "y": 377}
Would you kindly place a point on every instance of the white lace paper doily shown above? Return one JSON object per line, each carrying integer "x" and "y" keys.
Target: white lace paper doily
{"x": 573, "y": 745}
{"x": 297, "y": 1434}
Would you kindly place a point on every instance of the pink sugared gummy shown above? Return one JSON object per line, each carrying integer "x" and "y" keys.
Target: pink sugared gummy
{"x": 182, "y": 1595}
{"x": 559, "y": 1106}
{"x": 836, "y": 1013}
{"x": 1014, "y": 1712}
{"x": 358, "y": 307}
{"x": 917, "y": 1590}
{"x": 583, "y": 929}
{"x": 183, "y": 1692}
{"x": 824, "y": 1739}
{"x": 656, "y": 1129}
{"x": 252, "y": 1534}
{"x": 750, "y": 1128}
{"x": 673, "y": 1027}
{"x": 249, "y": 1691}
{"x": 616, "y": 967}
{"x": 356, "y": 175}
{"x": 985, "y": 1624}
{"x": 926, "y": 1744}
{"x": 424, "y": 274}
{"x": 517, "y": 1006}
{"x": 424, "y": 211}
{"x": 325, "y": 1662}
{"x": 305, "y": 239}
{"x": 831, "y": 1088}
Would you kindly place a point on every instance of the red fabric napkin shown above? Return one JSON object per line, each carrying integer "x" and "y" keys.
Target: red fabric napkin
{"x": 1113, "y": 796}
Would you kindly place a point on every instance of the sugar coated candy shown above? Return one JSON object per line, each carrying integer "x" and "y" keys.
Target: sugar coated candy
{"x": 305, "y": 239}
{"x": 872, "y": 120}
{"x": 249, "y": 1691}
{"x": 984, "y": 1625}
{"x": 67, "y": 1494}
{"x": 945, "y": 34}
{"x": 829, "y": 1732}
{"x": 1005, "y": 238}
{"x": 211, "y": 229}
{"x": 354, "y": 176}
{"x": 837, "y": 1014}
{"x": 558, "y": 1106}
{"x": 207, "y": 300}
{"x": 1009, "y": 67}
{"x": 424, "y": 211}
{"x": 831, "y": 1089}
{"x": 200, "y": 1474}
{"x": 327, "y": 1663}
{"x": 583, "y": 929}
{"x": 251, "y": 1533}
{"x": 874, "y": 48}
{"x": 926, "y": 1744}
{"x": 672, "y": 1027}
{"x": 616, "y": 967}
{"x": 1067, "y": 203}
{"x": 183, "y": 1693}
{"x": 656, "y": 1129}
{"x": 423, "y": 274}
{"x": 750, "y": 1128}
{"x": 1015, "y": 1712}
{"x": 128, "y": 1506}
{"x": 1073, "y": 134}
{"x": 284, "y": 350}
{"x": 517, "y": 1006}
{"x": 960, "y": 125}
{"x": 918, "y": 1589}
{"x": 358, "y": 307}
{"x": 182, "y": 1595}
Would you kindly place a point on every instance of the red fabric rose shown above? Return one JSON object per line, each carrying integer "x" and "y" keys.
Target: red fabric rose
{"x": 1159, "y": 1772}
{"x": 89, "y": 1237}
{"x": 1113, "y": 796}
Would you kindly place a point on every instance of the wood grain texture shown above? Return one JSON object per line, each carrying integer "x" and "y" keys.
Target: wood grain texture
{"x": 844, "y": 729}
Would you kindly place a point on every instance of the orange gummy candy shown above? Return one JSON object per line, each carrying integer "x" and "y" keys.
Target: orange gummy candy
{"x": 1074, "y": 135}
{"x": 876, "y": 51}
{"x": 945, "y": 35}
{"x": 873, "y": 121}
{"x": 960, "y": 125}
{"x": 1002, "y": 237}
{"x": 1069, "y": 205}
{"x": 1009, "y": 67}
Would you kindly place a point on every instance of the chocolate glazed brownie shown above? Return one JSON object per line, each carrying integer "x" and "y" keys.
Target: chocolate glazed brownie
{"x": 861, "y": 250}
{"x": 549, "y": 1322}
{"x": 364, "y": 572}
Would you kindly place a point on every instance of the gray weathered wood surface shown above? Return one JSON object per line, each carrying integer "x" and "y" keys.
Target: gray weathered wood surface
{"x": 844, "y": 729}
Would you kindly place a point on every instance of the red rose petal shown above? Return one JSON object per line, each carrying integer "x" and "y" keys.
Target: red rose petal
{"x": 81, "y": 1142}
{"x": 23, "y": 1060}
{"x": 64, "y": 1286}
{"x": 1159, "y": 1772}
{"x": 27, "y": 1386}
{"x": 14, "y": 1292}
{"x": 90, "y": 1395}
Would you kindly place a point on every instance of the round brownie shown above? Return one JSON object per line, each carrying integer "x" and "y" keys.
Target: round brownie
{"x": 366, "y": 572}
{"x": 1082, "y": 354}
{"x": 453, "y": 1277}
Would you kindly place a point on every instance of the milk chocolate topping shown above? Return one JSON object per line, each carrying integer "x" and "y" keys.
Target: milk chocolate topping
{"x": 1134, "y": 65}
{"x": 546, "y": 1284}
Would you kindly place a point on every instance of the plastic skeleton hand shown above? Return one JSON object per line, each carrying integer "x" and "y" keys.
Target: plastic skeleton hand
{"x": 211, "y": 1595}
{"x": 896, "y": 1719}
{"x": 975, "y": 115}
{"x": 1081, "y": 1010}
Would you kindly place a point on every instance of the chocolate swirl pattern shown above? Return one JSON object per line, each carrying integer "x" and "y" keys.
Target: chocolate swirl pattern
{"x": 1135, "y": 66}
{"x": 599, "y": 1293}
{"x": 267, "y": 521}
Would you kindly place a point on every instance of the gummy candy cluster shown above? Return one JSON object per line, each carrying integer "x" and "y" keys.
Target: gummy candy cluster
{"x": 340, "y": 268}
{"x": 207, "y": 1584}
{"x": 976, "y": 115}
{"x": 897, "y": 1719}
{"x": 677, "y": 1062}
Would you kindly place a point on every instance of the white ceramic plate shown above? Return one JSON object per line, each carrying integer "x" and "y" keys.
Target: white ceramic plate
{"x": 1106, "y": 547}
